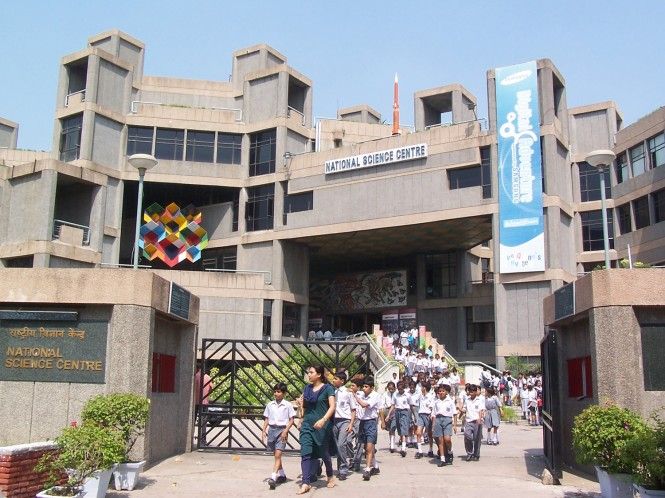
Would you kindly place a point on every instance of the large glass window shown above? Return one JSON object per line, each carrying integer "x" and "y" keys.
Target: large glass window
{"x": 464, "y": 177}
{"x": 659, "y": 205}
{"x": 622, "y": 168}
{"x": 229, "y": 146}
{"x": 139, "y": 140}
{"x": 590, "y": 183}
{"x": 641, "y": 209}
{"x": 592, "y": 230}
{"x": 295, "y": 203}
{"x": 623, "y": 217}
{"x": 657, "y": 150}
{"x": 200, "y": 146}
{"x": 637, "y": 160}
{"x": 259, "y": 207}
{"x": 70, "y": 137}
{"x": 262, "y": 152}
{"x": 169, "y": 144}
{"x": 291, "y": 320}
{"x": 440, "y": 275}
{"x": 477, "y": 331}
{"x": 653, "y": 342}
{"x": 486, "y": 171}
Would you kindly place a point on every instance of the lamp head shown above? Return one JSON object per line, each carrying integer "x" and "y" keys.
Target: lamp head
{"x": 600, "y": 158}
{"x": 142, "y": 162}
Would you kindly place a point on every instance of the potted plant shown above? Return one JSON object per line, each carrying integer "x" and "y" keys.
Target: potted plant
{"x": 127, "y": 414}
{"x": 647, "y": 451}
{"x": 86, "y": 455}
{"x": 600, "y": 434}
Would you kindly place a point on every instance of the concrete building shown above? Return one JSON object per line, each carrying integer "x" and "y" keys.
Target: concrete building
{"x": 292, "y": 247}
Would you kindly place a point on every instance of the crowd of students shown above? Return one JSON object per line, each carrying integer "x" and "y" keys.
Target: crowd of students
{"x": 420, "y": 410}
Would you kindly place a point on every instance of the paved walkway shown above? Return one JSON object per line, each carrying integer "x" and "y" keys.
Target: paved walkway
{"x": 511, "y": 469}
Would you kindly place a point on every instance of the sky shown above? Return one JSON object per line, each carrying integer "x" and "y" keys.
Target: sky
{"x": 606, "y": 50}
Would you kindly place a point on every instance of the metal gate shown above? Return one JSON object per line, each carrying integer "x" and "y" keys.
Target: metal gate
{"x": 551, "y": 440}
{"x": 240, "y": 380}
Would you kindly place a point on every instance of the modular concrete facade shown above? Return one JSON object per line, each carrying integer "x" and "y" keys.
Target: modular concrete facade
{"x": 250, "y": 156}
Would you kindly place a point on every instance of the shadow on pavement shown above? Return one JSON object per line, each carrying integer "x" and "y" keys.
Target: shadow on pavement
{"x": 534, "y": 461}
{"x": 143, "y": 483}
{"x": 581, "y": 494}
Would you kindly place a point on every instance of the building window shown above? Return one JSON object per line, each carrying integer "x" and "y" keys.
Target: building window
{"x": 659, "y": 205}
{"x": 163, "y": 373}
{"x": 590, "y": 183}
{"x": 653, "y": 344}
{"x": 219, "y": 259}
{"x": 486, "y": 171}
{"x": 637, "y": 160}
{"x": 291, "y": 320}
{"x": 70, "y": 137}
{"x": 623, "y": 217}
{"x": 622, "y": 168}
{"x": 200, "y": 146}
{"x": 169, "y": 144}
{"x": 267, "y": 318}
{"x": 139, "y": 140}
{"x": 337, "y": 143}
{"x": 641, "y": 210}
{"x": 592, "y": 230}
{"x": 294, "y": 203}
{"x": 229, "y": 147}
{"x": 262, "y": 152}
{"x": 579, "y": 378}
{"x": 657, "y": 150}
{"x": 465, "y": 177}
{"x": 477, "y": 331}
{"x": 259, "y": 207}
{"x": 440, "y": 275}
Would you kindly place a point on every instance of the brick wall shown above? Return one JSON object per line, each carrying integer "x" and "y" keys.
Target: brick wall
{"x": 18, "y": 478}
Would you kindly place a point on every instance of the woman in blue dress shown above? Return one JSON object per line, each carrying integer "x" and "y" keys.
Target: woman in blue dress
{"x": 318, "y": 403}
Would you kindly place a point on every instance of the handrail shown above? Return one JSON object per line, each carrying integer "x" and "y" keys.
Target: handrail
{"x": 473, "y": 362}
{"x": 289, "y": 109}
{"x": 57, "y": 224}
{"x": 445, "y": 125}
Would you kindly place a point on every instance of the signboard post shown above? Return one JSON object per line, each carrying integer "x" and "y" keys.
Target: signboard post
{"x": 521, "y": 225}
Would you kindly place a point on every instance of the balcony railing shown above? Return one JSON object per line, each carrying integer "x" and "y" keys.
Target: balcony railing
{"x": 57, "y": 229}
{"x": 70, "y": 96}
{"x": 486, "y": 278}
{"x": 291, "y": 111}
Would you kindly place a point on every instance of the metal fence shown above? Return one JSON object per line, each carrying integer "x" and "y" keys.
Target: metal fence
{"x": 240, "y": 380}
{"x": 551, "y": 441}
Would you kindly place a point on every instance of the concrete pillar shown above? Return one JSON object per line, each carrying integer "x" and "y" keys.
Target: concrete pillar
{"x": 92, "y": 79}
{"x": 278, "y": 208}
{"x": 87, "y": 134}
{"x": 41, "y": 260}
{"x": 304, "y": 321}
{"x": 282, "y": 94}
{"x": 546, "y": 91}
{"x": 419, "y": 114}
{"x": 276, "y": 320}
{"x": 97, "y": 215}
{"x": 242, "y": 201}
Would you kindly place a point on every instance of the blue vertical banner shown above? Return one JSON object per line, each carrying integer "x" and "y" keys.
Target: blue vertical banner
{"x": 521, "y": 224}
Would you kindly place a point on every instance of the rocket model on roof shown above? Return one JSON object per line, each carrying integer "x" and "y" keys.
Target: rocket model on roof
{"x": 396, "y": 107}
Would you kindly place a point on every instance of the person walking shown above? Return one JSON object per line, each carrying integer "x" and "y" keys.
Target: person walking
{"x": 318, "y": 406}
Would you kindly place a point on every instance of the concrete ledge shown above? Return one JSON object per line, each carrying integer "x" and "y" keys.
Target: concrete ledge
{"x": 19, "y": 449}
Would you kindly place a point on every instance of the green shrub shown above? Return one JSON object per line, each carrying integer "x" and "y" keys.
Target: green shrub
{"x": 600, "y": 434}
{"x": 647, "y": 452}
{"x": 81, "y": 451}
{"x": 519, "y": 365}
{"x": 126, "y": 413}
{"x": 509, "y": 414}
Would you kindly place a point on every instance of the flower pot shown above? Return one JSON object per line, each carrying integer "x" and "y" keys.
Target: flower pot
{"x": 97, "y": 485}
{"x": 614, "y": 485}
{"x": 126, "y": 475}
{"x": 47, "y": 493}
{"x": 648, "y": 493}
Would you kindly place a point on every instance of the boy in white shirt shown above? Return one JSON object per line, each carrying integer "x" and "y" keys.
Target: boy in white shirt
{"x": 345, "y": 414}
{"x": 474, "y": 409}
{"x": 400, "y": 409}
{"x": 424, "y": 419}
{"x": 444, "y": 423}
{"x": 369, "y": 401}
{"x": 357, "y": 453}
{"x": 278, "y": 418}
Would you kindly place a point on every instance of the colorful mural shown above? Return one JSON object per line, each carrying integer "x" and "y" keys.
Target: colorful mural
{"x": 359, "y": 291}
{"x": 172, "y": 234}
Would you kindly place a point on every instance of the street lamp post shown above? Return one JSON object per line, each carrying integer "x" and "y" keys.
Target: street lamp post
{"x": 599, "y": 159}
{"x": 142, "y": 162}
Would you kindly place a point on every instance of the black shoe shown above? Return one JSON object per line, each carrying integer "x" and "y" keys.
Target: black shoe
{"x": 469, "y": 458}
{"x": 281, "y": 479}
{"x": 430, "y": 454}
{"x": 403, "y": 453}
{"x": 392, "y": 450}
{"x": 419, "y": 456}
{"x": 374, "y": 471}
{"x": 366, "y": 475}
{"x": 476, "y": 458}
{"x": 356, "y": 467}
{"x": 449, "y": 458}
{"x": 271, "y": 483}
{"x": 441, "y": 463}
{"x": 341, "y": 477}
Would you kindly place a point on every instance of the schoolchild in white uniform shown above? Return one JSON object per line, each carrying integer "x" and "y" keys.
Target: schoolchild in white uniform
{"x": 345, "y": 414}
{"x": 369, "y": 400}
{"x": 387, "y": 421}
{"x": 414, "y": 397}
{"x": 358, "y": 448}
{"x": 474, "y": 409}
{"x": 424, "y": 420}
{"x": 400, "y": 409}
{"x": 493, "y": 412}
{"x": 278, "y": 418}
{"x": 444, "y": 423}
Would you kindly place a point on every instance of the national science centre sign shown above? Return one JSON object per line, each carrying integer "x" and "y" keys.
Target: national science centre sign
{"x": 379, "y": 158}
